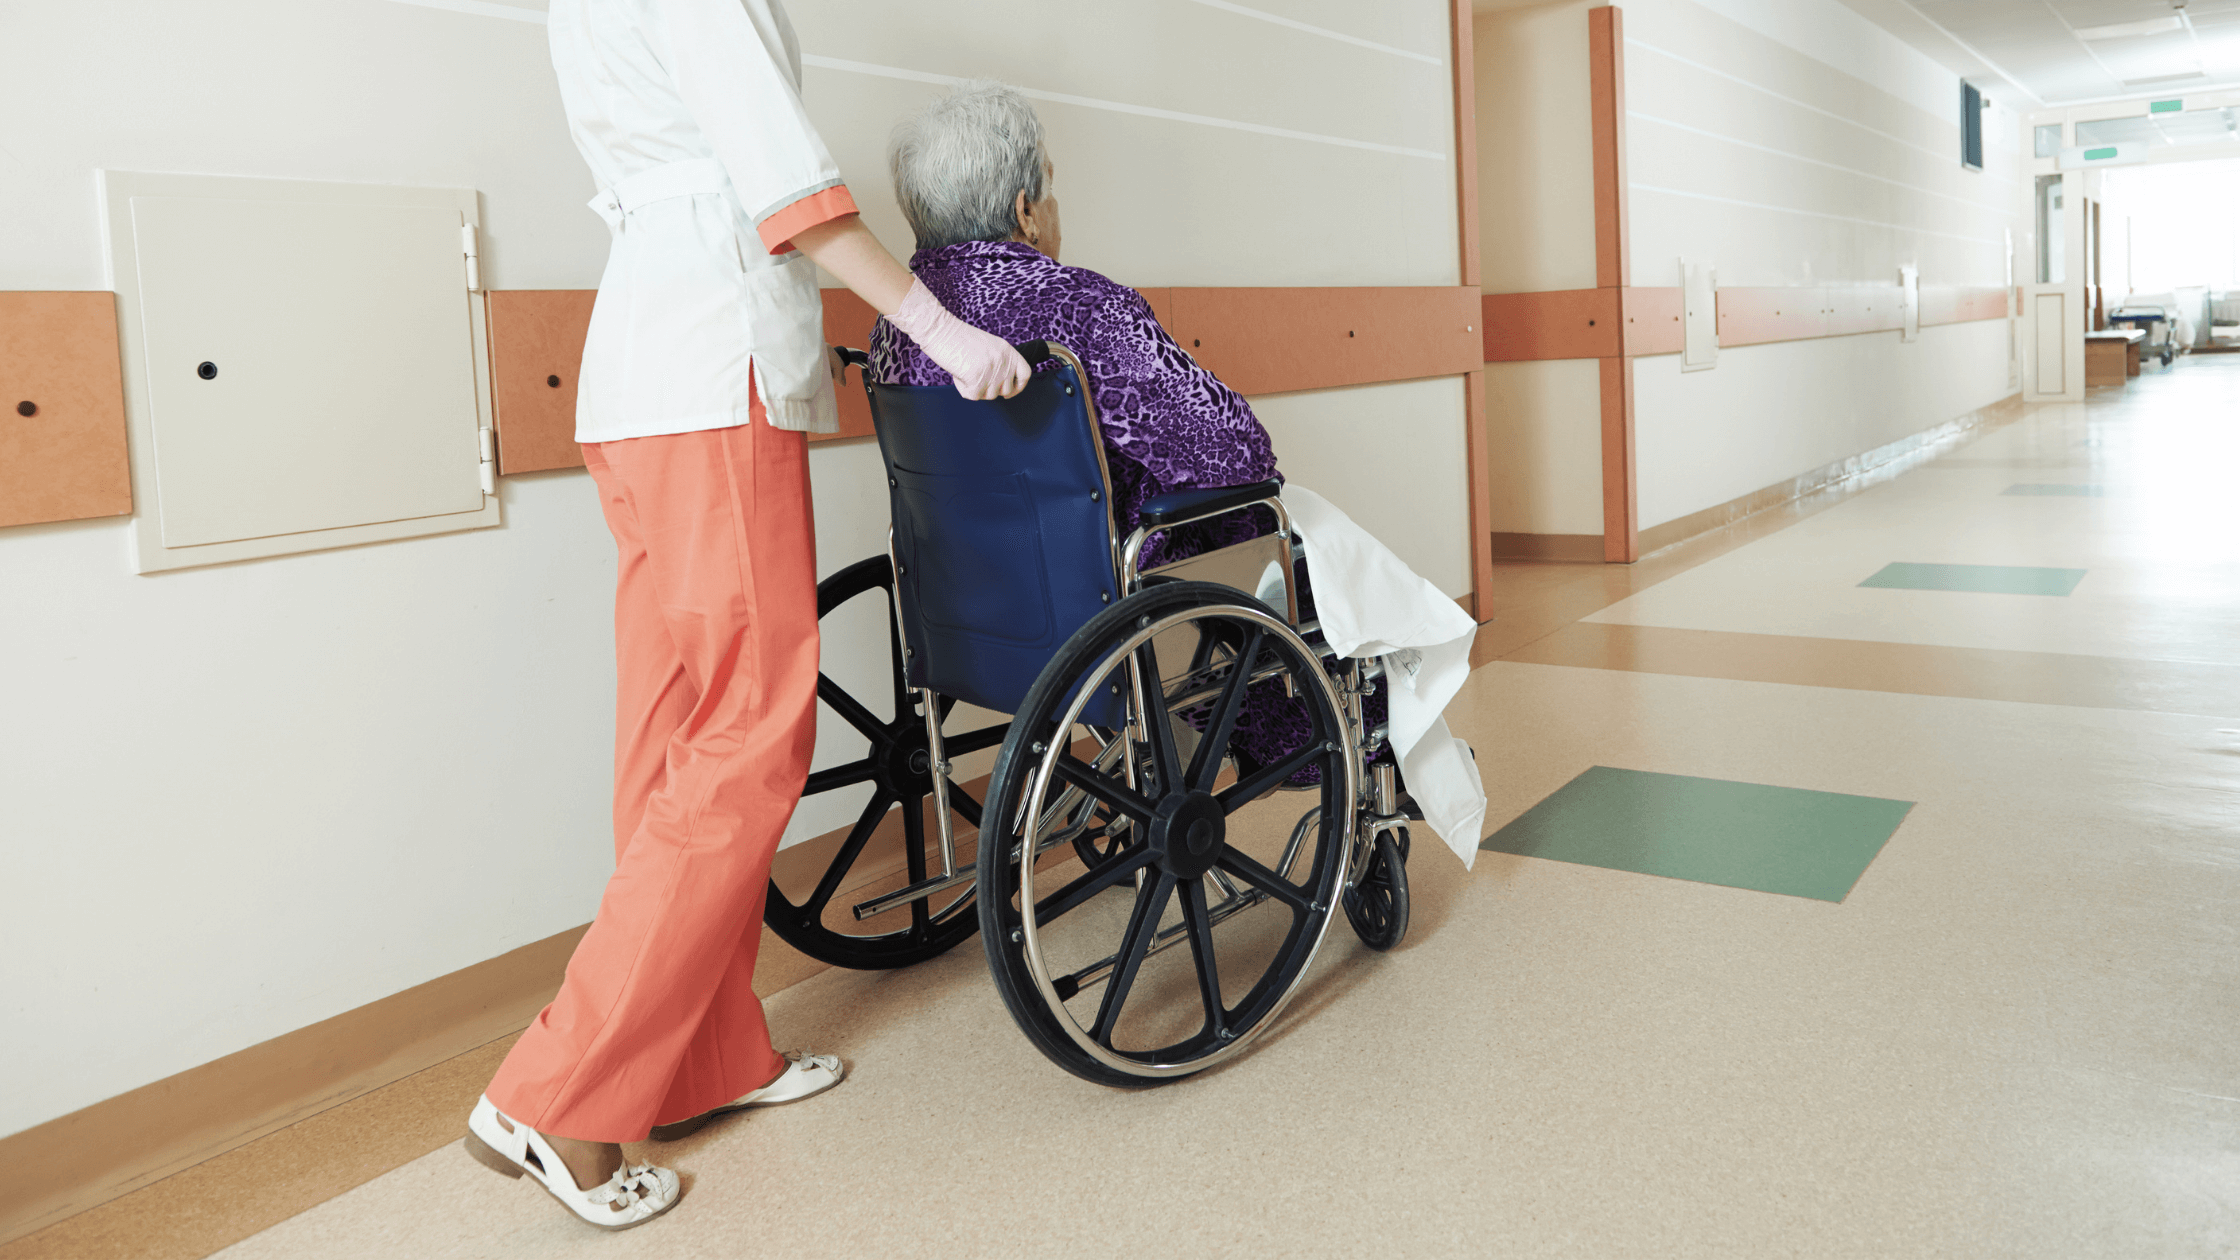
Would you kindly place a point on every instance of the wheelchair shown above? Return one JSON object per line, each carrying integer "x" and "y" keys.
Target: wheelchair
{"x": 1148, "y": 899}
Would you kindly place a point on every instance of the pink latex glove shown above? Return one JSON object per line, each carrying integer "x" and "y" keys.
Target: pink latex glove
{"x": 984, "y": 366}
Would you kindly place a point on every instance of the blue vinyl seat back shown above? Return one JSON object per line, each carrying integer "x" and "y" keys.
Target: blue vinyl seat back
{"x": 1002, "y": 530}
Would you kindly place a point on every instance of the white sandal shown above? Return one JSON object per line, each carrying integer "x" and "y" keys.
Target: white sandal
{"x": 806, "y": 1076}
{"x": 634, "y": 1195}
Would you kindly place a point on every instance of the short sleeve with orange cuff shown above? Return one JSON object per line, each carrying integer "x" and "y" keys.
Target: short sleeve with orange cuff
{"x": 778, "y": 230}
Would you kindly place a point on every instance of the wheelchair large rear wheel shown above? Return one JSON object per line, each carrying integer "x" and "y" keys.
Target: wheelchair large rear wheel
{"x": 1082, "y": 942}
{"x": 878, "y": 854}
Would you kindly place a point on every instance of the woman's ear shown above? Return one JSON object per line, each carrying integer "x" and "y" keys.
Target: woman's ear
{"x": 1023, "y": 216}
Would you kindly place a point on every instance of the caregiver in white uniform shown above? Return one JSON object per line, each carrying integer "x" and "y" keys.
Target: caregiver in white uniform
{"x": 704, "y": 368}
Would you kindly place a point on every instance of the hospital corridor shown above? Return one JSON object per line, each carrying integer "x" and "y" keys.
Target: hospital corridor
{"x": 1536, "y": 628}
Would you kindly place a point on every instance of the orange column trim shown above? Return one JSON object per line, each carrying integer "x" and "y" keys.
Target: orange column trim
{"x": 1621, "y": 533}
{"x": 1606, "y": 79}
{"x": 1606, "y": 85}
{"x": 1477, "y": 439}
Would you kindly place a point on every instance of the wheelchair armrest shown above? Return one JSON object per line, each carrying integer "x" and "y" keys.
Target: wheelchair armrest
{"x": 1161, "y": 510}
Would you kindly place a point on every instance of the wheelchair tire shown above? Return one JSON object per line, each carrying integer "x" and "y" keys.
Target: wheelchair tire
{"x": 898, "y": 767}
{"x": 1068, "y": 940}
{"x": 1377, "y": 904}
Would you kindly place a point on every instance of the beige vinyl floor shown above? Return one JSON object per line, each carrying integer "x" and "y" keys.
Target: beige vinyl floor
{"x": 2017, "y": 1035}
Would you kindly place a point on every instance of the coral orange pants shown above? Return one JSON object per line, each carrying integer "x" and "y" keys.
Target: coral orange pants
{"x": 716, "y": 652}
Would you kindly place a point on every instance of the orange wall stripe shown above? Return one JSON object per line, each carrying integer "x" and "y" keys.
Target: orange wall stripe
{"x": 1653, "y": 321}
{"x": 66, "y": 460}
{"x": 1565, "y": 324}
{"x": 1570, "y": 324}
{"x": 536, "y": 347}
{"x": 1260, "y": 341}
{"x": 1272, "y": 341}
{"x": 1749, "y": 317}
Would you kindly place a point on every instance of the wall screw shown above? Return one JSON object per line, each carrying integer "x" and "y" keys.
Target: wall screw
{"x": 27, "y": 408}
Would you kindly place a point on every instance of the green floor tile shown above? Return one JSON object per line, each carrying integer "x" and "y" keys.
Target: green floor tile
{"x": 1986, "y": 579}
{"x": 1712, "y": 831}
{"x": 2056, "y": 488}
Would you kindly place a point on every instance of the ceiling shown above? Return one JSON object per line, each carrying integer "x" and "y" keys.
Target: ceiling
{"x": 2032, "y": 54}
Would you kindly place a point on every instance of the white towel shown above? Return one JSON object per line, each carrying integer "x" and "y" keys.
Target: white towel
{"x": 1370, "y": 603}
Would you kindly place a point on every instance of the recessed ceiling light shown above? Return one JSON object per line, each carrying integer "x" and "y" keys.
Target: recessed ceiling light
{"x": 2120, "y": 30}
{"x": 2154, "y": 79}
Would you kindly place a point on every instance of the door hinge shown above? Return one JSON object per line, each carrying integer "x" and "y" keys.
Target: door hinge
{"x": 474, "y": 257}
{"x": 489, "y": 460}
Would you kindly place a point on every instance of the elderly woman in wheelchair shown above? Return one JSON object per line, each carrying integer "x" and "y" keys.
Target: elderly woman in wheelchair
{"x": 1110, "y": 558}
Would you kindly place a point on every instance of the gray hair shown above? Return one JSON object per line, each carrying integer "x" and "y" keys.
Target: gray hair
{"x": 958, "y": 163}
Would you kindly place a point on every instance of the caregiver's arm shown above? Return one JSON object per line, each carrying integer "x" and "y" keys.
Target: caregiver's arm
{"x": 984, "y": 366}
{"x": 729, "y": 61}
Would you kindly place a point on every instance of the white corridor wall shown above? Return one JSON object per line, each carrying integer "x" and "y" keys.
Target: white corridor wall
{"x": 1792, "y": 142}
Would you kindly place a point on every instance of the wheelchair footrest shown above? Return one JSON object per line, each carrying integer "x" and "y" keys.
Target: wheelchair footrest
{"x": 904, "y": 896}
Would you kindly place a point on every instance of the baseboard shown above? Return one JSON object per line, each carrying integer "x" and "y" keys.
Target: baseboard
{"x": 1569, "y": 548}
{"x": 118, "y": 1145}
{"x": 1915, "y": 448}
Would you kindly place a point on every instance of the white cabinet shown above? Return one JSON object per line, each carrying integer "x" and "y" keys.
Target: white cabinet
{"x": 305, "y": 364}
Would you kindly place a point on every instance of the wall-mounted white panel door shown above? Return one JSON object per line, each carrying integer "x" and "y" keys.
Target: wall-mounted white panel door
{"x": 341, "y": 389}
{"x": 304, "y": 364}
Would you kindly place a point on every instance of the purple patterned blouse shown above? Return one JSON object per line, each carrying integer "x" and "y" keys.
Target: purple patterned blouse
{"x": 1168, "y": 423}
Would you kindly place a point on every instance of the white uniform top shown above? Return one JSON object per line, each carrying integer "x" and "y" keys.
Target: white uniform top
{"x": 689, "y": 113}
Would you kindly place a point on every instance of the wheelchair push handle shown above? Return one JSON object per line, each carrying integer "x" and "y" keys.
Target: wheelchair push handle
{"x": 1034, "y": 351}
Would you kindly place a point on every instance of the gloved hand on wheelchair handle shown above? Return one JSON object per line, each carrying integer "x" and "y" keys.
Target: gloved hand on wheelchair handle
{"x": 984, "y": 366}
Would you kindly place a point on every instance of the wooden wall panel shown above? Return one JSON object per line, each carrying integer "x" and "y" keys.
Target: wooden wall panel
{"x": 1565, "y": 324}
{"x": 1268, "y": 341}
{"x": 536, "y": 349}
{"x": 66, "y": 460}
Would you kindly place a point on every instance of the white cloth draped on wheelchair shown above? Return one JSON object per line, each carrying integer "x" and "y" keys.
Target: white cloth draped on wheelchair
{"x": 1370, "y": 603}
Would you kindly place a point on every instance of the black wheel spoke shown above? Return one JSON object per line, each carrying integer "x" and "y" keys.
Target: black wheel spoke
{"x": 1206, "y": 762}
{"x": 852, "y": 711}
{"x": 832, "y": 777}
{"x": 914, "y": 854}
{"x": 974, "y": 741}
{"x": 1143, "y": 925}
{"x": 1118, "y": 795}
{"x": 1245, "y": 791}
{"x": 1083, "y": 887}
{"x": 1158, "y": 724}
{"x": 1200, "y": 924}
{"x": 867, "y": 589}
{"x": 850, "y": 849}
{"x": 1267, "y": 881}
